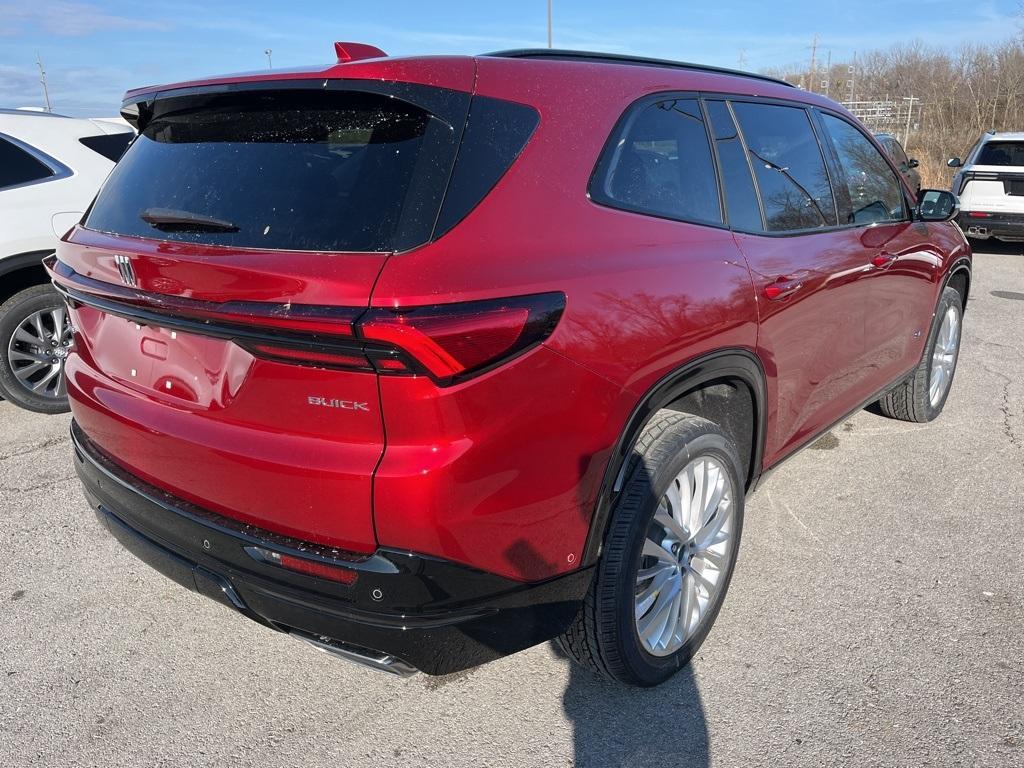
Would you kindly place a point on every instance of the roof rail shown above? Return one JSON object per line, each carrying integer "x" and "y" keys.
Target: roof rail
{"x": 615, "y": 58}
{"x": 28, "y": 111}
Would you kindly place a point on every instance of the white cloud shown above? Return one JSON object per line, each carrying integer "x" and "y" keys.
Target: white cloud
{"x": 68, "y": 19}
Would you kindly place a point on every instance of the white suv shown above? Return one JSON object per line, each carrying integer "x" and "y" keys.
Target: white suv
{"x": 990, "y": 184}
{"x": 50, "y": 169}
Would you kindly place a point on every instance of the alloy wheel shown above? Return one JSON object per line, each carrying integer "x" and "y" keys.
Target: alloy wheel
{"x": 37, "y": 352}
{"x": 944, "y": 356}
{"x": 685, "y": 557}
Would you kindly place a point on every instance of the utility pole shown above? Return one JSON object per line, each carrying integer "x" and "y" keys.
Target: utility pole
{"x": 741, "y": 60}
{"x": 910, "y": 111}
{"x": 270, "y": 63}
{"x": 852, "y": 82}
{"x": 814, "y": 61}
{"x": 828, "y": 73}
{"x": 549, "y": 24}
{"x": 42, "y": 79}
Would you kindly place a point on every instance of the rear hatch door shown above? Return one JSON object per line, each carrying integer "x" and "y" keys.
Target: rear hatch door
{"x": 216, "y": 278}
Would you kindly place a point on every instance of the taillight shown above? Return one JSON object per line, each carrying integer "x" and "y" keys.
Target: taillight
{"x": 311, "y": 355}
{"x": 454, "y": 341}
{"x": 448, "y": 342}
{"x": 979, "y": 215}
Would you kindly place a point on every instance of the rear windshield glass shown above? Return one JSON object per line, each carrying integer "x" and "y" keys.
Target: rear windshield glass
{"x": 1002, "y": 153}
{"x": 292, "y": 170}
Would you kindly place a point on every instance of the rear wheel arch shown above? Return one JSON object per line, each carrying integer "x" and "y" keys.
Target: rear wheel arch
{"x": 959, "y": 278}
{"x": 21, "y": 271}
{"x": 727, "y": 386}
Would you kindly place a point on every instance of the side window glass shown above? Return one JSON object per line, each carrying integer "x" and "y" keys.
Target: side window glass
{"x": 899, "y": 155}
{"x": 790, "y": 170}
{"x": 741, "y": 205}
{"x": 874, "y": 191}
{"x": 19, "y": 167}
{"x": 661, "y": 164}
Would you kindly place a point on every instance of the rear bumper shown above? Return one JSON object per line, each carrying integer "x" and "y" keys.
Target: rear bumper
{"x": 1002, "y": 225}
{"x": 403, "y": 612}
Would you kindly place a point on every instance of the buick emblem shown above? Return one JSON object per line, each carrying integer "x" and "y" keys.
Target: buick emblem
{"x": 124, "y": 266}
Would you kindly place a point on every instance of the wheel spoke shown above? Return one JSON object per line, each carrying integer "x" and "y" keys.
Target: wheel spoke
{"x": 704, "y": 580}
{"x": 709, "y": 535}
{"x": 22, "y": 335}
{"x": 700, "y": 495}
{"x": 646, "y": 598}
{"x": 25, "y": 373}
{"x": 18, "y": 356}
{"x": 670, "y": 524}
{"x": 57, "y": 318}
{"x": 674, "y": 615}
{"x": 44, "y": 383}
{"x": 674, "y": 500}
{"x": 653, "y": 624}
{"x": 653, "y": 549}
{"x": 690, "y": 605}
{"x": 649, "y": 573}
{"x": 37, "y": 323}
{"x": 713, "y": 557}
{"x": 715, "y": 497}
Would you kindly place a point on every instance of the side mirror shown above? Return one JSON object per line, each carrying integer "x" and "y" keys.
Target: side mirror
{"x": 936, "y": 205}
{"x": 954, "y": 162}
{"x": 912, "y": 163}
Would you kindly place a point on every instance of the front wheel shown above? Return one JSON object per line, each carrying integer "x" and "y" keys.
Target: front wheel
{"x": 35, "y": 337}
{"x": 922, "y": 397}
{"x": 668, "y": 554}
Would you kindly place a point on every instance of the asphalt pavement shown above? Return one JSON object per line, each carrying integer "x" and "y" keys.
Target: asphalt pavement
{"x": 876, "y": 618}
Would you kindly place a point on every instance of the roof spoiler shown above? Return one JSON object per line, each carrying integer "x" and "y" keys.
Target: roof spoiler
{"x": 356, "y": 51}
{"x": 137, "y": 111}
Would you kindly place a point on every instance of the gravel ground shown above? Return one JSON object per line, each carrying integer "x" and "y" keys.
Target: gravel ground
{"x": 875, "y": 618}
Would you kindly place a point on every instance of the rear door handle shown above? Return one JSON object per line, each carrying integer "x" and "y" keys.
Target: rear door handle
{"x": 883, "y": 260}
{"x": 782, "y": 288}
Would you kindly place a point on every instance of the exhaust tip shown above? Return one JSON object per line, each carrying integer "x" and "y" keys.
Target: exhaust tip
{"x": 378, "y": 660}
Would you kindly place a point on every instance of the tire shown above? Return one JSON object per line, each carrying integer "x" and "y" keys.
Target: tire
{"x": 18, "y": 374}
{"x": 914, "y": 400}
{"x": 605, "y": 636}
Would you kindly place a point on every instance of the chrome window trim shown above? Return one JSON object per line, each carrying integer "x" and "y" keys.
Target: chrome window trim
{"x": 59, "y": 170}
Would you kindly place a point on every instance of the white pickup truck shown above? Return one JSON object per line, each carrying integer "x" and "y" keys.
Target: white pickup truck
{"x": 990, "y": 184}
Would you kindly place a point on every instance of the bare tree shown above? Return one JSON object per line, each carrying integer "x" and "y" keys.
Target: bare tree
{"x": 963, "y": 93}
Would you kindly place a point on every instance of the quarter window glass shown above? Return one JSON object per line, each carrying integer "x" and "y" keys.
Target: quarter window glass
{"x": 787, "y": 161}
{"x": 19, "y": 167}
{"x": 744, "y": 212}
{"x": 873, "y": 188}
{"x": 110, "y": 145}
{"x": 662, "y": 165}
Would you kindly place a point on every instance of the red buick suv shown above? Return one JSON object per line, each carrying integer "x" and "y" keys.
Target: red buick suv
{"x": 428, "y": 360}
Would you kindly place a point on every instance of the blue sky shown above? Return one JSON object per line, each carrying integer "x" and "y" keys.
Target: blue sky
{"x": 93, "y": 52}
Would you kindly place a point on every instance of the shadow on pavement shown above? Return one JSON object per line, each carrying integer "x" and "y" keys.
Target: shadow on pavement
{"x": 997, "y": 247}
{"x": 615, "y": 725}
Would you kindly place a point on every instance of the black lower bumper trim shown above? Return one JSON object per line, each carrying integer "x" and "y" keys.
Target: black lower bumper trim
{"x": 434, "y": 615}
{"x": 1008, "y": 226}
